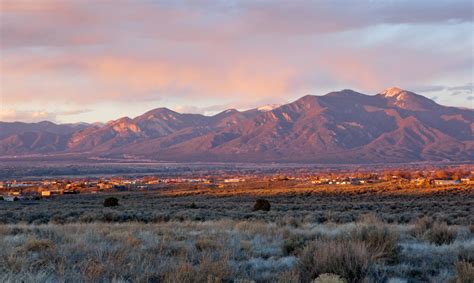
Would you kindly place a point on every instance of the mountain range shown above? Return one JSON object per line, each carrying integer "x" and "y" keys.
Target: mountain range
{"x": 339, "y": 127}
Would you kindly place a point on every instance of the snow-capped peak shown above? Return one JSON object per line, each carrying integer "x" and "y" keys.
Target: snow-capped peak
{"x": 392, "y": 92}
{"x": 268, "y": 107}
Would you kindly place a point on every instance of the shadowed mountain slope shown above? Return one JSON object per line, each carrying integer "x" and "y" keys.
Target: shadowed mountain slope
{"x": 339, "y": 127}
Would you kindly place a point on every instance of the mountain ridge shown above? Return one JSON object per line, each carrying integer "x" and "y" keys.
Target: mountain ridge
{"x": 394, "y": 125}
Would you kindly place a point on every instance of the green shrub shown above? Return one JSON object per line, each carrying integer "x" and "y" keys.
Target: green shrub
{"x": 110, "y": 202}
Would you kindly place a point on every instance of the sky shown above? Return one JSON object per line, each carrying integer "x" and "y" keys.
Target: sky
{"x": 95, "y": 60}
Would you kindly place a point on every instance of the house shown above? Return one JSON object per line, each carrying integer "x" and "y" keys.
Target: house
{"x": 13, "y": 198}
{"x": 104, "y": 186}
{"x": 50, "y": 193}
{"x": 418, "y": 181}
{"x": 10, "y": 198}
{"x": 446, "y": 182}
{"x": 233, "y": 180}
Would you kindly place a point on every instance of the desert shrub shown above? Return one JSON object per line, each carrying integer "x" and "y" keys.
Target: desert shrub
{"x": 426, "y": 228}
{"x": 192, "y": 205}
{"x": 252, "y": 227}
{"x": 464, "y": 272}
{"x": 466, "y": 253}
{"x": 214, "y": 270}
{"x": 208, "y": 270}
{"x": 440, "y": 234}
{"x": 421, "y": 226}
{"x": 344, "y": 257}
{"x": 204, "y": 244}
{"x": 380, "y": 241}
{"x": 370, "y": 218}
{"x": 58, "y": 219}
{"x": 262, "y": 204}
{"x": 329, "y": 278}
{"x": 288, "y": 276}
{"x": 5, "y": 230}
{"x": 289, "y": 221}
{"x": 110, "y": 202}
{"x": 292, "y": 243}
{"x": 38, "y": 245}
{"x": 93, "y": 270}
{"x": 184, "y": 272}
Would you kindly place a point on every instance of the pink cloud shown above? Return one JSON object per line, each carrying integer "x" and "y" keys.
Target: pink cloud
{"x": 219, "y": 53}
{"x": 12, "y": 115}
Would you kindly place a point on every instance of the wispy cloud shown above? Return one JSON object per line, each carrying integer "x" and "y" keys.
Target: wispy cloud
{"x": 12, "y": 115}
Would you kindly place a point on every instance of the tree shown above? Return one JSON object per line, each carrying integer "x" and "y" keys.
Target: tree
{"x": 441, "y": 174}
{"x": 110, "y": 202}
{"x": 262, "y": 204}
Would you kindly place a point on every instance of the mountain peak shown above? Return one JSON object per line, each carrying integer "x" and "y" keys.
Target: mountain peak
{"x": 407, "y": 99}
{"x": 393, "y": 91}
{"x": 160, "y": 110}
{"x": 161, "y": 113}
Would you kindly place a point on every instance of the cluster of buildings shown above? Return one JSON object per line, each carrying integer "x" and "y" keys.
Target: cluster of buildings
{"x": 344, "y": 181}
{"x": 348, "y": 179}
{"x": 18, "y": 190}
{"x": 22, "y": 190}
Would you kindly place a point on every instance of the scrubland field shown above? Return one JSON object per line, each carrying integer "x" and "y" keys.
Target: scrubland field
{"x": 376, "y": 233}
{"x": 290, "y": 201}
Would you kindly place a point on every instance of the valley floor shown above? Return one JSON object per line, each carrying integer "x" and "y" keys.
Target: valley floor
{"x": 376, "y": 233}
{"x": 306, "y": 203}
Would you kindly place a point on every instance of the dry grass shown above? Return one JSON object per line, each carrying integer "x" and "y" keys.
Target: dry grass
{"x": 464, "y": 272}
{"x": 38, "y": 245}
{"x": 290, "y": 201}
{"x": 381, "y": 242}
{"x": 309, "y": 231}
{"x": 329, "y": 278}
{"x": 421, "y": 226}
{"x": 434, "y": 232}
{"x": 349, "y": 259}
{"x": 224, "y": 251}
{"x": 441, "y": 234}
